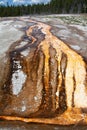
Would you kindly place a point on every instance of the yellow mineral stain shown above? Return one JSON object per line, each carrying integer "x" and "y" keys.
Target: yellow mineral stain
{"x": 75, "y": 67}
{"x": 45, "y": 49}
{"x": 29, "y": 32}
{"x": 58, "y": 58}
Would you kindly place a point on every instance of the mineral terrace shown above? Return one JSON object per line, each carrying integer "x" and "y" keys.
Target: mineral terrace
{"x": 43, "y": 78}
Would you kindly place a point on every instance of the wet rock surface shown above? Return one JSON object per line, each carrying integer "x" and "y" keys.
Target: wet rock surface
{"x": 72, "y": 29}
{"x": 16, "y": 125}
{"x": 41, "y": 75}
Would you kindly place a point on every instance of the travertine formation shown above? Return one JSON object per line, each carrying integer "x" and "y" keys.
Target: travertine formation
{"x": 45, "y": 81}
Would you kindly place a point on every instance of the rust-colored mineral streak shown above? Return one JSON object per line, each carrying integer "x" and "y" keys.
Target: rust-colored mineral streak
{"x": 47, "y": 81}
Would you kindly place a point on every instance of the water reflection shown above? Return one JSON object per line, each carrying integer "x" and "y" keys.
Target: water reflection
{"x": 16, "y": 125}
